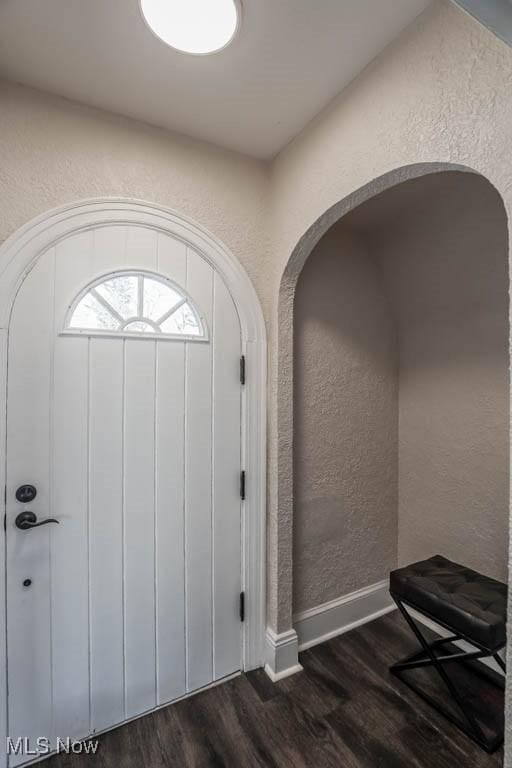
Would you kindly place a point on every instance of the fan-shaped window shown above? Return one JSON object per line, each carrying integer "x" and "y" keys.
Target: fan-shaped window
{"x": 135, "y": 304}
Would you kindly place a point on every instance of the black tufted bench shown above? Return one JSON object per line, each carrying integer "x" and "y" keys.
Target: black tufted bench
{"x": 469, "y": 605}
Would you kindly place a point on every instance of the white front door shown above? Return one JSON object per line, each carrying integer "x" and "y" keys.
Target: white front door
{"x": 130, "y": 434}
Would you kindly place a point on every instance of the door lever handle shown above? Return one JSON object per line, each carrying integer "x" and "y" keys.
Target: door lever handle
{"x": 27, "y": 520}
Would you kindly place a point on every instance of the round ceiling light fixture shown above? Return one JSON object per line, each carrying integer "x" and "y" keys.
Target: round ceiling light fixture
{"x": 193, "y": 26}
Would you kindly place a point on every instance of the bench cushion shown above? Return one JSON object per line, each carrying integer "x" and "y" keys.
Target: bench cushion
{"x": 463, "y": 600}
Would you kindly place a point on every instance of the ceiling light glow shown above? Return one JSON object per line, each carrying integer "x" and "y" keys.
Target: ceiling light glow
{"x": 192, "y": 26}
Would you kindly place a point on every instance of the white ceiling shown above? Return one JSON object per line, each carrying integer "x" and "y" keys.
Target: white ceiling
{"x": 289, "y": 59}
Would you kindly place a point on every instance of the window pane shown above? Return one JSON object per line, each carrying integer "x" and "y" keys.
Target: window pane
{"x": 134, "y": 302}
{"x": 158, "y": 299}
{"x": 121, "y": 293}
{"x": 91, "y": 314}
{"x": 139, "y": 326}
{"x": 183, "y": 321}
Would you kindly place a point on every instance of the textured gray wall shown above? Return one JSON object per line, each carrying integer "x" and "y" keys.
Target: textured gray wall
{"x": 346, "y": 419}
{"x": 446, "y": 268}
{"x": 417, "y": 276}
{"x": 439, "y": 97}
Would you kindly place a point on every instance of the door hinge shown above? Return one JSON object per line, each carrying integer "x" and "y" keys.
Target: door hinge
{"x": 242, "y": 485}
{"x": 242, "y": 370}
{"x": 242, "y": 606}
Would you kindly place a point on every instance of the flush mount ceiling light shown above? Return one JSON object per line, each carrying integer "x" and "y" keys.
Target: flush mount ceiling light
{"x": 192, "y": 26}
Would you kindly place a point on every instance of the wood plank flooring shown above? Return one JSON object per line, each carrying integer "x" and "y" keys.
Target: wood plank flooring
{"x": 343, "y": 711}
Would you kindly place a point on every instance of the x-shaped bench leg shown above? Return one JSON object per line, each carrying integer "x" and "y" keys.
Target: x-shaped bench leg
{"x": 427, "y": 657}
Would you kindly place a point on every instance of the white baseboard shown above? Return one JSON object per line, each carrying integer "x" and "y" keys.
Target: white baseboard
{"x": 281, "y": 654}
{"x": 338, "y": 616}
{"x": 489, "y": 662}
{"x": 328, "y": 620}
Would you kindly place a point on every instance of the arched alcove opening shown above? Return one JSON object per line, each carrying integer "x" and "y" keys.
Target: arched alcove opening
{"x": 401, "y": 388}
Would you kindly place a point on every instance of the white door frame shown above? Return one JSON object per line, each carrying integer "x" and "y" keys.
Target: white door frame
{"x": 19, "y": 253}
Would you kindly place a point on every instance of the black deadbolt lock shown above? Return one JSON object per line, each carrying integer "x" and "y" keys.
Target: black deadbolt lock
{"x": 26, "y": 494}
{"x": 27, "y": 582}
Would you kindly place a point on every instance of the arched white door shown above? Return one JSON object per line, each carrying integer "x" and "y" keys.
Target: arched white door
{"x": 123, "y": 411}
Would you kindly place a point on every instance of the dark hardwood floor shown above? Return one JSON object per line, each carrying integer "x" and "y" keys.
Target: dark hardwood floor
{"x": 344, "y": 710}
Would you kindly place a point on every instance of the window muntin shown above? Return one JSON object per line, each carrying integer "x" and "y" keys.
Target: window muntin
{"x": 140, "y": 303}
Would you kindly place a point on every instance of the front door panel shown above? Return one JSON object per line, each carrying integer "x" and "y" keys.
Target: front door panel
{"x": 133, "y": 445}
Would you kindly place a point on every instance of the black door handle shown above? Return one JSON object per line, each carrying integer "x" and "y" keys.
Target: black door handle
{"x": 27, "y": 520}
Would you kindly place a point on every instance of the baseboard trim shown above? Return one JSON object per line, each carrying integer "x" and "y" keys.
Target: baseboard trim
{"x": 462, "y": 644}
{"x": 281, "y": 654}
{"x": 276, "y": 676}
{"x": 334, "y": 618}
{"x": 343, "y": 614}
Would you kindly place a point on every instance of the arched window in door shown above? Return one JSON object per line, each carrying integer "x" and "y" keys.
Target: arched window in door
{"x": 135, "y": 303}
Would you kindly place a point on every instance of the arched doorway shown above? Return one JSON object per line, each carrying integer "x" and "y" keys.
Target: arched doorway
{"x": 401, "y": 412}
{"x": 282, "y": 641}
{"x": 95, "y": 250}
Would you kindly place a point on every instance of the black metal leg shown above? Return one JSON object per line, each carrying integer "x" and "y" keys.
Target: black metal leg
{"x": 499, "y": 661}
{"x": 451, "y": 657}
{"x": 427, "y": 657}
